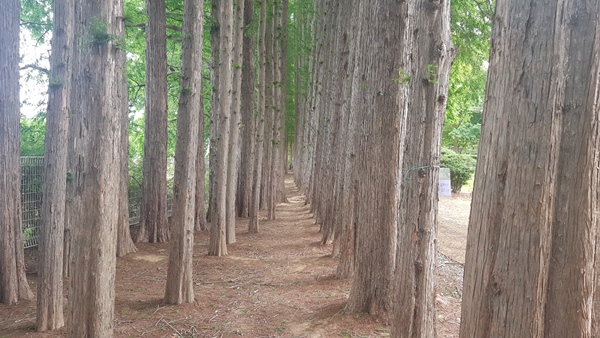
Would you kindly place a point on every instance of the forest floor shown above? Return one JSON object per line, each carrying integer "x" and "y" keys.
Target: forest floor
{"x": 277, "y": 283}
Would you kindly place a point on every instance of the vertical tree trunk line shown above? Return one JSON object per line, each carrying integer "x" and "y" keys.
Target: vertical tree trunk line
{"x": 218, "y": 240}
{"x": 125, "y": 243}
{"x": 153, "y": 215}
{"x": 214, "y": 114}
{"x": 180, "y": 287}
{"x": 283, "y": 65}
{"x": 13, "y": 283}
{"x": 253, "y": 224}
{"x": 429, "y": 56}
{"x": 249, "y": 123}
{"x": 95, "y": 69}
{"x": 50, "y": 286}
{"x": 235, "y": 122}
{"x": 266, "y": 191}
{"x": 274, "y": 154}
{"x": 344, "y": 209}
{"x": 533, "y": 230}
{"x": 380, "y": 121}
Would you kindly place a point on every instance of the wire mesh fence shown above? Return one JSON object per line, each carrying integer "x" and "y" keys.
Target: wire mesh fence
{"x": 32, "y": 171}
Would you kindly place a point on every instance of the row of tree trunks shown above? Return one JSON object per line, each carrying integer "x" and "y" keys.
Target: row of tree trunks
{"x": 345, "y": 196}
{"x": 377, "y": 102}
{"x": 98, "y": 172}
{"x": 262, "y": 146}
{"x": 301, "y": 44}
{"x": 266, "y": 160}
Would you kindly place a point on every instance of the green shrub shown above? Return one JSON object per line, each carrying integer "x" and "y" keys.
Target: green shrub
{"x": 462, "y": 166}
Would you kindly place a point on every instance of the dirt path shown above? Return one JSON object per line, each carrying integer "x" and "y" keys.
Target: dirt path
{"x": 453, "y": 221}
{"x": 277, "y": 283}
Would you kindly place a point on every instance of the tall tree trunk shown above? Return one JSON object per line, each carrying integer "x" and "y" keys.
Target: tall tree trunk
{"x": 124, "y": 240}
{"x": 248, "y": 144}
{"x": 214, "y": 114}
{"x": 380, "y": 122}
{"x": 283, "y": 65}
{"x": 232, "y": 161}
{"x": 314, "y": 96}
{"x": 323, "y": 194}
{"x": 218, "y": 240}
{"x": 180, "y": 286}
{"x": 153, "y": 215}
{"x": 13, "y": 283}
{"x": 531, "y": 257}
{"x": 91, "y": 293}
{"x": 253, "y": 225}
{"x": 427, "y": 58}
{"x": 267, "y": 188}
{"x": 50, "y": 286}
{"x": 275, "y": 155}
{"x": 344, "y": 226}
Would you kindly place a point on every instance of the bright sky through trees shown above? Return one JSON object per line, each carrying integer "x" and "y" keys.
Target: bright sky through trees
{"x": 34, "y": 85}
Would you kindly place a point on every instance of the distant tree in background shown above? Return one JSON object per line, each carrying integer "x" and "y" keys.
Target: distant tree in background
{"x": 235, "y": 120}
{"x": 471, "y": 28}
{"x": 247, "y": 111}
{"x": 33, "y": 131}
{"x": 125, "y": 243}
{"x": 154, "y": 226}
{"x": 253, "y": 211}
{"x": 218, "y": 233}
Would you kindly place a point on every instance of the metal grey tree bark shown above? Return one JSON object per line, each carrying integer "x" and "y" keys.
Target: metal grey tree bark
{"x": 97, "y": 179}
{"x": 180, "y": 286}
{"x": 153, "y": 214}
{"x": 13, "y": 283}
{"x": 531, "y": 264}
{"x": 50, "y": 284}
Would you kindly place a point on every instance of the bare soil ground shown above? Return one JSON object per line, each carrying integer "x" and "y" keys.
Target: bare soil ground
{"x": 278, "y": 283}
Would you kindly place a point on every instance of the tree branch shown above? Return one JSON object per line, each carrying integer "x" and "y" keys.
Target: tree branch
{"x": 36, "y": 67}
